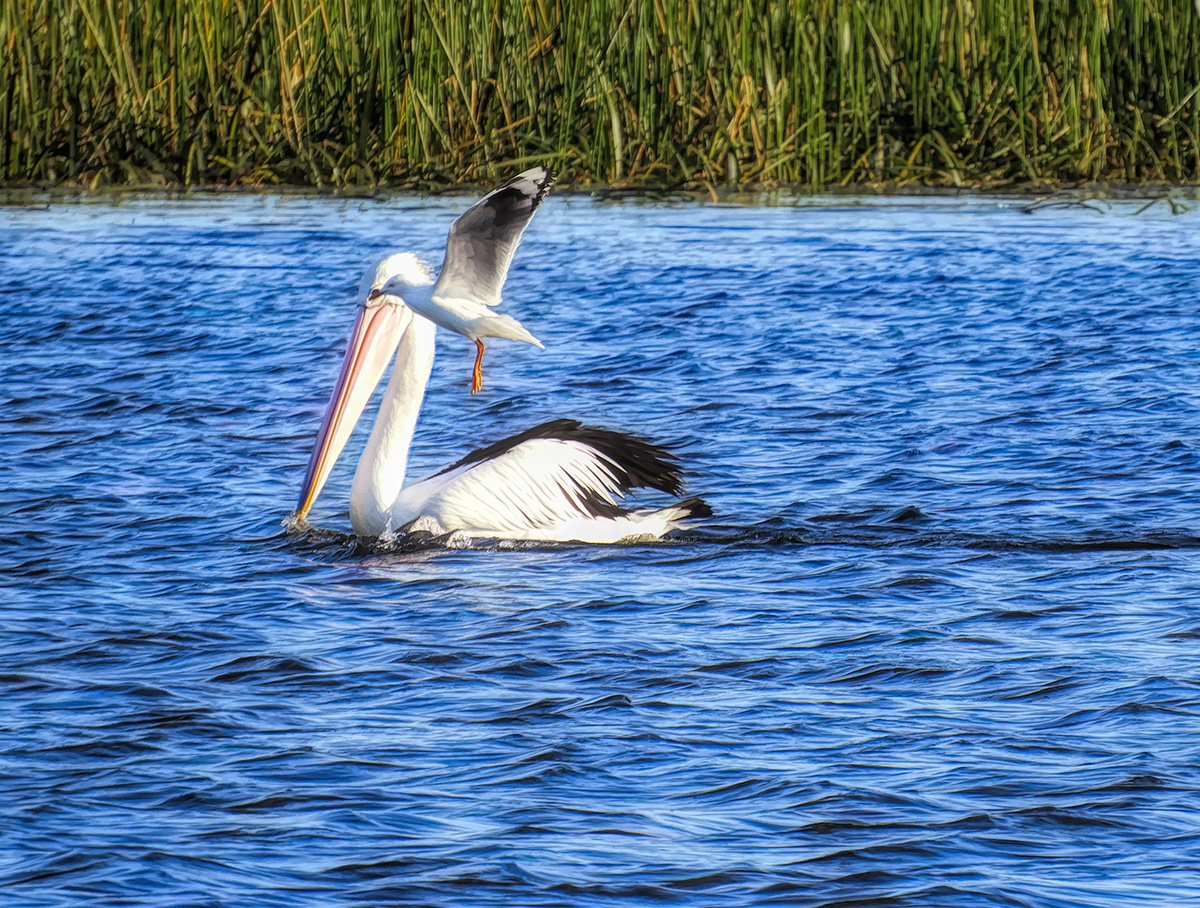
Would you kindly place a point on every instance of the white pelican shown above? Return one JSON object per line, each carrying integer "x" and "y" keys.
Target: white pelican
{"x": 559, "y": 481}
{"x": 478, "y": 252}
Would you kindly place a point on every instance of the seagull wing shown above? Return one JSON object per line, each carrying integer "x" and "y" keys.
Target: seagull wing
{"x": 482, "y": 242}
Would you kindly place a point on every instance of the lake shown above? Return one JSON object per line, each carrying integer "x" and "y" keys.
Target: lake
{"x": 937, "y": 646}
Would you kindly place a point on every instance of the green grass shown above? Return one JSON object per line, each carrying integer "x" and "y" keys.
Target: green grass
{"x": 648, "y": 92}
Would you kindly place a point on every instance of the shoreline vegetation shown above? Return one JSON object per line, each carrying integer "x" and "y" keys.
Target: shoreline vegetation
{"x": 711, "y": 96}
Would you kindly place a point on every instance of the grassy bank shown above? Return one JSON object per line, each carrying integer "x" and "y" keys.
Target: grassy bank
{"x": 657, "y": 92}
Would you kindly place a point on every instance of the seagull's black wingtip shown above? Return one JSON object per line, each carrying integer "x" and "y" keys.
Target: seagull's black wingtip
{"x": 545, "y": 185}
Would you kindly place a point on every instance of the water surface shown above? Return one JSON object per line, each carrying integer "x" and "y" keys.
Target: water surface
{"x": 937, "y": 648}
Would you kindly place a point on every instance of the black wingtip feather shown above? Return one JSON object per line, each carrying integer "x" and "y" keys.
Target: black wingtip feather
{"x": 635, "y": 463}
{"x": 543, "y": 188}
{"x": 509, "y": 204}
{"x": 696, "y": 508}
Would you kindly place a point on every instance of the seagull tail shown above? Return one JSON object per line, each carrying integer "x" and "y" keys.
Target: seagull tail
{"x": 500, "y": 325}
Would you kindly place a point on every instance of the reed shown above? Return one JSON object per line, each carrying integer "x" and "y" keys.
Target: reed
{"x": 645, "y": 92}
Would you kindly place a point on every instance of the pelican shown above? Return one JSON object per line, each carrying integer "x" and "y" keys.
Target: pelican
{"x": 559, "y": 481}
{"x": 478, "y": 252}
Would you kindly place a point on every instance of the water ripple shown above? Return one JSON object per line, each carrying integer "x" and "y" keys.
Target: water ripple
{"x": 935, "y": 649}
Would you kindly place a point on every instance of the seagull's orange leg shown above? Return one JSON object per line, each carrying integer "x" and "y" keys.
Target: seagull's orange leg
{"x": 477, "y": 374}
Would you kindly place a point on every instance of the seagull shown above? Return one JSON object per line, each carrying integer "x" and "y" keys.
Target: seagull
{"x": 559, "y": 481}
{"x": 479, "y": 250}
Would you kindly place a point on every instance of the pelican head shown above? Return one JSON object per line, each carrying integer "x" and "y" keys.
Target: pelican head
{"x": 378, "y": 329}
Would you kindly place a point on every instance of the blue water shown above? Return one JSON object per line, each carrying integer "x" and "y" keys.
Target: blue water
{"x": 938, "y": 647}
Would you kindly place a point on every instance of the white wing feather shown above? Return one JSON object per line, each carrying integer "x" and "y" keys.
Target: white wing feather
{"x": 482, "y": 241}
{"x": 538, "y": 484}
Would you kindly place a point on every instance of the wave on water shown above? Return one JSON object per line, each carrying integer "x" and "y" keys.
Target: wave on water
{"x": 897, "y": 531}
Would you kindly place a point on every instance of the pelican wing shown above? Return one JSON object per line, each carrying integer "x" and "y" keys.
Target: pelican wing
{"x": 548, "y": 476}
{"x": 482, "y": 241}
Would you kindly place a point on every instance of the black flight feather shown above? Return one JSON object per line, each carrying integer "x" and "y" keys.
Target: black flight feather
{"x": 634, "y": 463}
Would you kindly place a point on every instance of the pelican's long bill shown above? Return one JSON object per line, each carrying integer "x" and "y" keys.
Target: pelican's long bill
{"x": 377, "y": 334}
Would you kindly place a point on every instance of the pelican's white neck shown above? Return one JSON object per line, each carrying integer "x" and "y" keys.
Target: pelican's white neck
{"x": 381, "y": 469}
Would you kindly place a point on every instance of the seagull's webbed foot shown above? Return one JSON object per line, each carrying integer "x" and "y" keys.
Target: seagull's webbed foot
{"x": 477, "y": 374}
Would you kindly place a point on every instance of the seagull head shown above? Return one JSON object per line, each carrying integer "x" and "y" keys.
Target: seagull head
{"x": 392, "y": 276}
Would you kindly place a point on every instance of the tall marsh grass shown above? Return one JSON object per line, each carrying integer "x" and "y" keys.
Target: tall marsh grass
{"x": 651, "y": 92}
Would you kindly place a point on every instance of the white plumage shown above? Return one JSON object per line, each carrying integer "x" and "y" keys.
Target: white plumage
{"x": 479, "y": 249}
{"x": 544, "y": 489}
{"x": 558, "y": 481}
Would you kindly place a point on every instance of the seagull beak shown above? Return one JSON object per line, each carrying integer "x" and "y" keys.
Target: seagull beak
{"x": 377, "y": 333}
